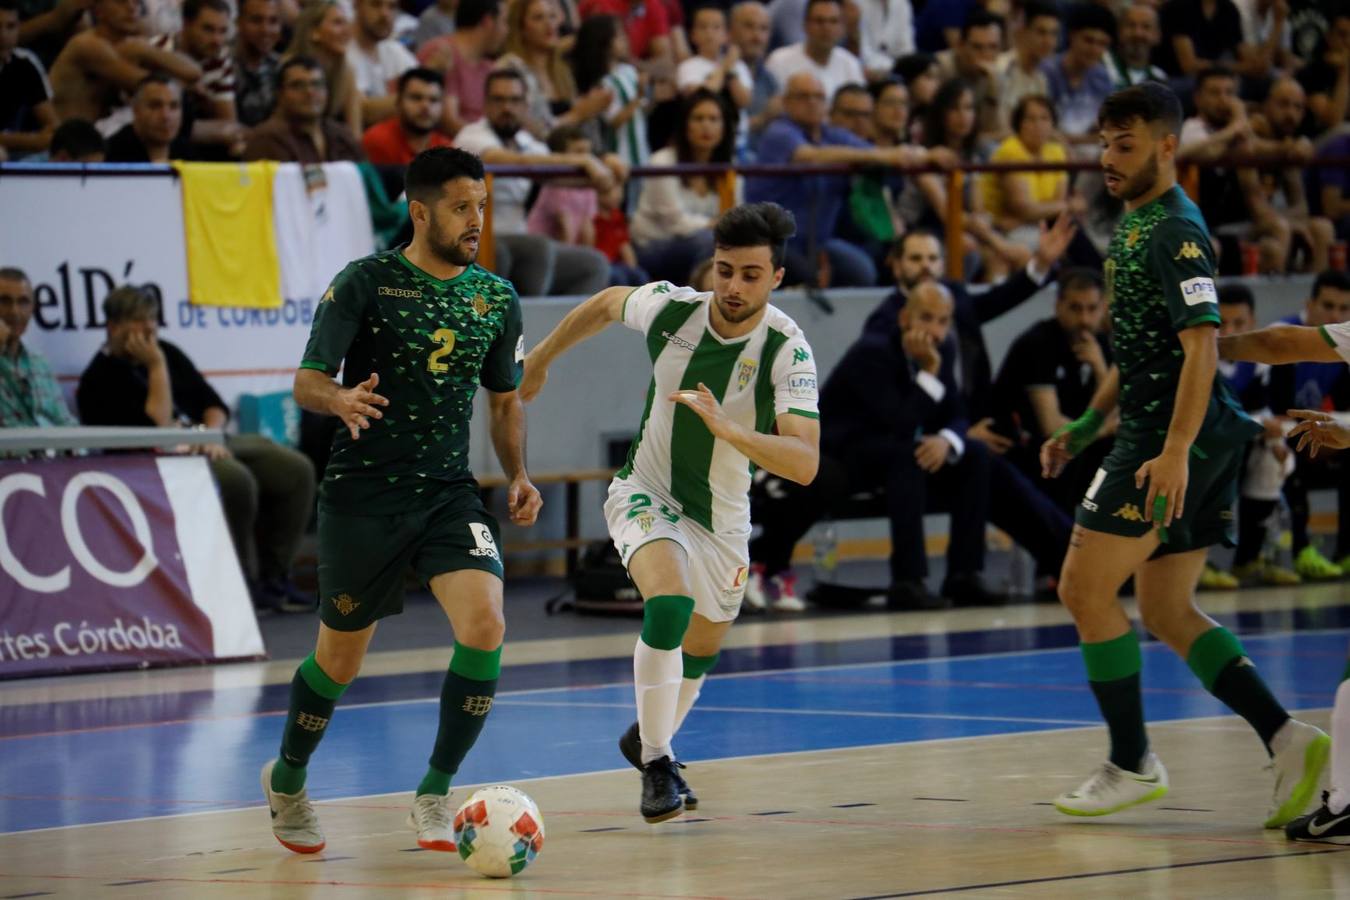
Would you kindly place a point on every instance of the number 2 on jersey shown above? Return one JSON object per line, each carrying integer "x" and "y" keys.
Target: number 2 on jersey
{"x": 446, "y": 338}
{"x": 640, "y": 502}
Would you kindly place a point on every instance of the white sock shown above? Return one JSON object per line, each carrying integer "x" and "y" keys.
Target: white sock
{"x": 689, "y": 691}
{"x": 1340, "y": 750}
{"x": 656, "y": 683}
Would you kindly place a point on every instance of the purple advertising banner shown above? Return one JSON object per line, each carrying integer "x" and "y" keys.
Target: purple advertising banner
{"x": 91, "y": 571}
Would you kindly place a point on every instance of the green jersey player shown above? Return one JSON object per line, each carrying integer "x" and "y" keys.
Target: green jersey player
{"x": 415, "y": 331}
{"x": 733, "y": 387}
{"x": 1165, "y": 494}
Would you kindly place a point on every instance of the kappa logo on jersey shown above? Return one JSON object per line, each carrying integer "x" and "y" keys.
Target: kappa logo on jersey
{"x": 1130, "y": 513}
{"x": 677, "y": 341}
{"x": 399, "y": 292}
{"x": 746, "y": 372}
{"x": 1188, "y": 250}
{"x": 800, "y": 355}
{"x": 482, "y": 537}
{"x": 802, "y": 387}
{"x": 520, "y": 348}
{"x": 663, "y": 287}
{"x": 327, "y": 295}
{"x": 1199, "y": 290}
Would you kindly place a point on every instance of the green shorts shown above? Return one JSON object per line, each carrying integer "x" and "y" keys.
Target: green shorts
{"x": 362, "y": 559}
{"x": 1113, "y": 504}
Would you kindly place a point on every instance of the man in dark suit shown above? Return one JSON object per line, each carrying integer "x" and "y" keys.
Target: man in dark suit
{"x": 892, "y": 417}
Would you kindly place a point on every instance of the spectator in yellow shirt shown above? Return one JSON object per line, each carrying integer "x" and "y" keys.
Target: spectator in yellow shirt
{"x": 1018, "y": 201}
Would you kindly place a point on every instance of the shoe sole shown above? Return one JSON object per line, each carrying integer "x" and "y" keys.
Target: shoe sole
{"x": 1156, "y": 794}
{"x": 442, "y": 846}
{"x": 663, "y": 817}
{"x": 635, "y": 760}
{"x": 1342, "y": 840}
{"x": 1315, "y": 758}
{"x": 267, "y": 794}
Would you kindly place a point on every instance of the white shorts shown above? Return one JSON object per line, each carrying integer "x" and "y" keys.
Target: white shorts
{"x": 718, "y": 564}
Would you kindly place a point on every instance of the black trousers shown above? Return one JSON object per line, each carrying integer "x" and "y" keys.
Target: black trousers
{"x": 1324, "y": 470}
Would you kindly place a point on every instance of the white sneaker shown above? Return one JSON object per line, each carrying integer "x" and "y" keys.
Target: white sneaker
{"x": 293, "y": 820}
{"x": 430, "y": 818}
{"x": 1298, "y": 769}
{"x": 1111, "y": 789}
{"x": 785, "y": 589}
{"x": 756, "y": 594}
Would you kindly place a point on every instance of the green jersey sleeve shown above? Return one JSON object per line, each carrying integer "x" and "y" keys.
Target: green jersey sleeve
{"x": 336, "y": 322}
{"x": 504, "y": 364}
{"x": 1183, "y": 261}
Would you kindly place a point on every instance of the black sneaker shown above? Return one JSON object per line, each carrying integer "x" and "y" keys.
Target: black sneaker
{"x": 913, "y": 595}
{"x": 661, "y": 798}
{"x": 1320, "y": 825}
{"x": 284, "y": 597}
{"x": 630, "y": 745}
{"x": 969, "y": 590}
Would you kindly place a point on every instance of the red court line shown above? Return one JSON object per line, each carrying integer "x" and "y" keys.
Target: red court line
{"x": 214, "y": 373}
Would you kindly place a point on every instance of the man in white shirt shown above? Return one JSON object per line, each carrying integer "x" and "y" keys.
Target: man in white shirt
{"x": 538, "y": 266}
{"x": 885, "y": 33}
{"x": 820, "y": 53}
{"x": 377, "y": 59}
{"x": 1018, "y": 72}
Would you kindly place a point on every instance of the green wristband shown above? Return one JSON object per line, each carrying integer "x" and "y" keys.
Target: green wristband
{"x": 1082, "y": 430}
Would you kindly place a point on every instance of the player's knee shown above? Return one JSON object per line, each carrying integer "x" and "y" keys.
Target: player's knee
{"x": 485, "y": 630}
{"x": 665, "y": 620}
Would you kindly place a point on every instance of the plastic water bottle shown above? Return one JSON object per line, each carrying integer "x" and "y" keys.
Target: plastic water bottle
{"x": 825, "y": 547}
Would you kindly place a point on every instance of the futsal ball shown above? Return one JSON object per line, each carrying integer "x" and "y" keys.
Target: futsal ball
{"x": 499, "y": 831}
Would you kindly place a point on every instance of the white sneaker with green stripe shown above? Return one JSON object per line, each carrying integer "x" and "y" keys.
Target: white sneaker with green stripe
{"x": 1111, "y": 789}
{"x": 1298, "y": 764}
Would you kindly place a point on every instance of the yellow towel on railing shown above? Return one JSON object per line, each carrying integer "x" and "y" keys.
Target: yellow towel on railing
{"x": 230, "y": 236}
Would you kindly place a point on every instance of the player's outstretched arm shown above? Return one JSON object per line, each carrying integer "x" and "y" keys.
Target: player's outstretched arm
{"x": 1318, "y": 430}
{"x": 356, "y": 406}
{"x": 1278, "y": 345}
{"x": 507, "y": 425}
{"x": 588, "y": 318}
{"x": 793, "y": 453}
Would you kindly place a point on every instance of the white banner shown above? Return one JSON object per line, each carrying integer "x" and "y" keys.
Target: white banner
{"x": 78, "y": 237}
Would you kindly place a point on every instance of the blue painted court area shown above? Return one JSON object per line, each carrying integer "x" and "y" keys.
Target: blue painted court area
{"x": 107, "y": 760}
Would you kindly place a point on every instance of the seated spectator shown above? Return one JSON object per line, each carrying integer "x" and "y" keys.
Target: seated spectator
{"x": 298, "y": 130}
{"x": 1048, "y": 379}
{"x": 1326, "y": 77}
{"x": 1267, "y": 45}
{"x": 1231, "y": 198}
{"x": 1132, "y": 60}
{"x": 415, "y": 127}
{"x": 601, "y": 60}
{"x": 437, "y": 20}
{"x": 27, "y": 117}
{"x": 538, "y": 266}
{"x": 974, "y": 60}
{"x": 157, "y": 118}
{"x": 466, "y": 57}
{"x": 256, "y": 60}
{"x": 1331, "y": 185}
{"x": 885, "y": 33}
{"x": 612, "y": 239}
{"x": 814, "y": 255}
{"x": 852, "y": 109}
{"x": 672, "y": 228}
{"x": 920, "y": 74}
{"x": 717, "y": 67}
{"x": 1200, "y": 34}
{"x": 1275, "y": 128}
{"x": 1019, "y": 201}
{"x": 1269, "y": 460}
{"x": 750, "y": 36}
{"x": 323, "y": 33}
{"x": 30, "y": 396}
{"x": 891, "y": 419}
{"x": 267, "y": 490}
{"x": 534, "y": 48}
{"x": 100, "y": 64}
{"x": 47, "y": 25}
{"x": 1078, "y": 79}
{"x": 819, "y": 53}
{"x": 377, "y": 60}
{"x": 212, "y": 124}
{"x": 890, "y": 112}
{"x": 1018, "y": 72}
{"x": 76, "y": 141}
{"x": 646, "y": 24}
{"x": 1326, "y": 387}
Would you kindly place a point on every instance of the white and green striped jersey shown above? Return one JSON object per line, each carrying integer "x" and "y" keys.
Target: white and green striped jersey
{"x": 769, "y": 373}
{"x": 1338, "y": 336}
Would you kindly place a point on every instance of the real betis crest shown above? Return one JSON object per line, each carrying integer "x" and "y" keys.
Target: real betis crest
{"x": 480, "y": 305}
{"x": 1132, "y": 238}
{"x": 747, "y": 372}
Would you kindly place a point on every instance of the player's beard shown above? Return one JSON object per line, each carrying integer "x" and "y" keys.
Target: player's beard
{"x": 452, "y": 252}
{"x": 1140, "y": 183}
{"x": 735, "y": 317}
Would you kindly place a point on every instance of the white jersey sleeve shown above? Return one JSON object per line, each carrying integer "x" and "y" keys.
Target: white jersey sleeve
{"x": 642, "y": 305}
{"x": 1338, "y": 336}
{"x": 794, "y": 379}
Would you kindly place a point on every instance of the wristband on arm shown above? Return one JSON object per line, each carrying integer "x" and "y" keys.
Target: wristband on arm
{"x": 1082, "y": 430}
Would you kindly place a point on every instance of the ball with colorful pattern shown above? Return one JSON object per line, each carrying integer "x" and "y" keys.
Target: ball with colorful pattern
{"x": 499, "y": 831}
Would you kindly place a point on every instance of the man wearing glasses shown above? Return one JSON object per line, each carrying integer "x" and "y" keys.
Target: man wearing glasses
{"x": 298, "y": 131}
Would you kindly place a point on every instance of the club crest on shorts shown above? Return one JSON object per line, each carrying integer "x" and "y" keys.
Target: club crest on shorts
{"x": 344, "y": 604}
{"x": 645, "y": 521}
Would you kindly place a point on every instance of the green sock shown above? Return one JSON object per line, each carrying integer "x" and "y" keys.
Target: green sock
{"x": 1113, "y": 673}
{"x": 313, "y": 697}
{"x": 1218, "y": 660}
{"x": 466, "y": 699}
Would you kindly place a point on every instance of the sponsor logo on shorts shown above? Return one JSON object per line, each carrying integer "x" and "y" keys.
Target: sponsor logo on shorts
{"x": 802, "y": 387}
{"x": 1090, "y": 506}
{"x": 747, "y": 371}
{"x": 520, "y": 348}
{"x": 399, "y": 292}
{"x": 1199, "y": 290}
{"x": 485, "y": 546}
{"x": 1130, "y": 513}
{"x": 345, "y": 604}
{"x": 1189, "y": 250}
{"x": 677, "y": 340}
{"x": 477, "y": 706}
{"x": 742, "y": 573}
